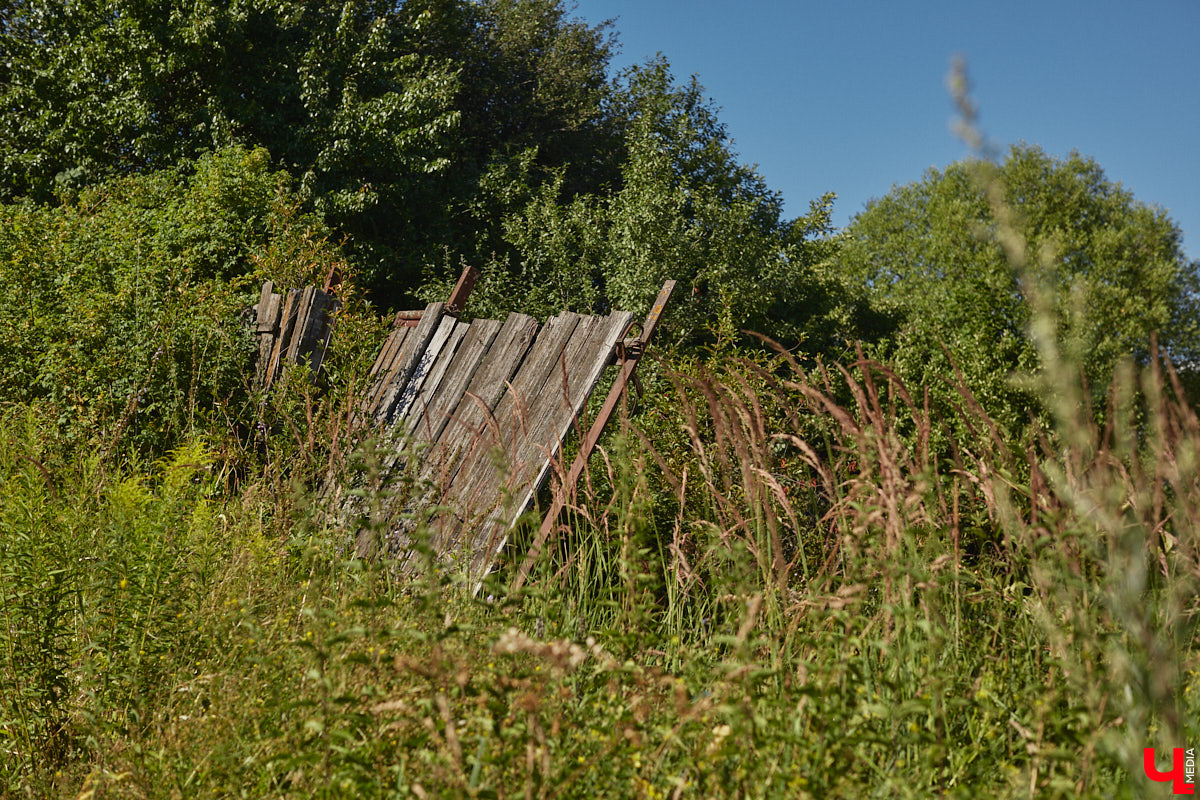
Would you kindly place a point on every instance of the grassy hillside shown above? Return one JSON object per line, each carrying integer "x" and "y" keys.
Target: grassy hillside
{"x": 788, "y": 572}
{"x": 799, "y": 582}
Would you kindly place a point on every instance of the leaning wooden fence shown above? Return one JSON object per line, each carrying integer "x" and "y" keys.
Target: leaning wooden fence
{"x": 293, "y": 328}
{"x": 485, "y": 406}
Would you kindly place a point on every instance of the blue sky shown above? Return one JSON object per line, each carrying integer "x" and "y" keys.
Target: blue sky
{"x": 850, "y": 96}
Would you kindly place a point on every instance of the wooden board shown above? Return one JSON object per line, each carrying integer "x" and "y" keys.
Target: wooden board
{"x": 484, "y": 406}
{"x": 424, "y": 367}
{"x": 559, "y": 405}
{"x": 380, "y": 371}
{"x": 405, "y": 363}
{"x": 292, "y": 328}
{"x": 478, "y": 486}
{"x": 471, "y": 393}
{"x": 424, "y": 421}
{"x": 474, "y": 408}
{"x": 473, "y": 414}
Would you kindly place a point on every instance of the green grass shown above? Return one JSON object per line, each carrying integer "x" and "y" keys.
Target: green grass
{"x": 791, "y": 594}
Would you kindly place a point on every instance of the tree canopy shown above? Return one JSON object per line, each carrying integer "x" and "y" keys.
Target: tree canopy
{"x": 387, "y": 113}
{"x": 428, "y": 133}
{"x": 1111, "y": 267}
{"x": 431, "y": 133}
{"x": 124, "y": 300}
{"x": 685, "y": 208}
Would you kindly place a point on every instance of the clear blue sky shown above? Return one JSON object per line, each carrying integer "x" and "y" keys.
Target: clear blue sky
{"x": 850, "y": 96}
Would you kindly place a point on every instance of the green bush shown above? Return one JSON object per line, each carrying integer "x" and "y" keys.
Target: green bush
{"x": 962, "y": 256}
{"x": 101, "y": 577}
{"x": 124, "y": 299}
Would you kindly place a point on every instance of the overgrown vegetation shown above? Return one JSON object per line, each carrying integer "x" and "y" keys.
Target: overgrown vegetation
{"x": 959, "y": 557}
{"x": 811, "y": 602}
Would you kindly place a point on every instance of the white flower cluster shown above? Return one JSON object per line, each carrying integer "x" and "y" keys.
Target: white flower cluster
{"x": 561, "y": 653}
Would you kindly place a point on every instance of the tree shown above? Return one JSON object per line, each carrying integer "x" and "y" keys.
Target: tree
{"x": 1112, "y": 268}
{"x": 682, "y": 207}
{"x": 391, "y": 115}
{"x": 124, "y": 299}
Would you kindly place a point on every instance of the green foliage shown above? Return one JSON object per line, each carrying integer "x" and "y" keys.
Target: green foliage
{"x": 99, "y": 585}
{"x": 684, "y": 208}
{"x": 155, "y": 643}
{"x": 775, "y": 582}
{"x": 429, "y": 133}
{"x": 1110, "y": 268}
{"x": 124, "y": 300}
{"x": 388, "y": 114}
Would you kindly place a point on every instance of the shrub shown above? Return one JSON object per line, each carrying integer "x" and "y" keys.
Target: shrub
{"x": 124, "y": 299}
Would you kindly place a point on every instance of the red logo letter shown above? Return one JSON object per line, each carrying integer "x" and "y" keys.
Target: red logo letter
{"x": 1177, "y": 771}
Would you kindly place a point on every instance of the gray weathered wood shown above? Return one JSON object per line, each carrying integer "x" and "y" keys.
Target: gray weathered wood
{"x": 287, "y": 324}
{"x": 543, "y": 402}
{"x": 485, "y": 404}
{"x": 268, "y": 330}
{"x": 264, "y": 302}
{"x": 313, "y": 329}
{"x": 323, "y": 333}
{"x": 429, "y": 418}
{"x": 424, "y": 366}
{"x": 476, "y": 488}
{"x": 582, "y": 365}
{"x": 469, "y": 400}
{"x": 426, "y": 361}
{"x": 377, "y": 377}
{"x": 625, "y": 374}
{"x": 486, "y": 388}
{"x": 292, "y": 330}
{"x": 584, "y": 372}
{"x": 416, "y": 419}
{"x": 296, "y": 338}
{"x": 403, "y": 366}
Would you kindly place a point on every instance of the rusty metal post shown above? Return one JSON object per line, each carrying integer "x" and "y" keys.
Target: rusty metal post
{"x": 633, "y": 351}
{"x": 454, "y": 305}
{"x": 462, "y": 290}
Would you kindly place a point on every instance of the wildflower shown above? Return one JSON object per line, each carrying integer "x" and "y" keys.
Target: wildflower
{"x": 720, "y": 733}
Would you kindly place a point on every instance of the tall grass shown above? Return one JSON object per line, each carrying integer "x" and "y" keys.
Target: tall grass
{"x": 778, "y": 579}
{"x": 806, "y": 583}
{"x": 939, "y": 605}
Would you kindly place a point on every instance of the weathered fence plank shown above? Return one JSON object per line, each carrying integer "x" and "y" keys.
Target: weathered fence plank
{"x": 420, "y": 420}
{"x": 475, "y": 405}
{"x": 380, "y": 371}
{"x": 559, "y": 404}
{"x": 292, "y": 329}
{"x": 406, "y": 362}
{"x": 424, "y": 366}
{"x": 485, "y": 406}
{"x": 479, "y": 487}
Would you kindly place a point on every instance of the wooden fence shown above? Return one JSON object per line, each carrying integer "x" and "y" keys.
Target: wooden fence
{"x": 293, "y": 328}
{"x": 484, "y": 404}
